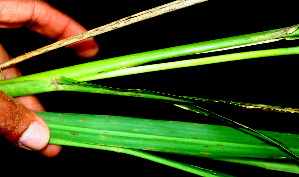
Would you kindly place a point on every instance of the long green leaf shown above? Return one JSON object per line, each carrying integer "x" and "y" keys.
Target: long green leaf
{"x": 115, "y": 133}
{"x": 270, "y": 139}
{"x": 87, "y": 71}
{"x": 49, "y": 81}
{"x": 65, "y": 84}
{"x": 280, "y": 165}
{"x": 164, "y": 136}
{"x": 196, "y": 62}
{"x": 178, "y": 165}
{"x": 69, "y": 84}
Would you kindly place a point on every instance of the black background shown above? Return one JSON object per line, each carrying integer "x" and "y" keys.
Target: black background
{"x": 269, "y": 81}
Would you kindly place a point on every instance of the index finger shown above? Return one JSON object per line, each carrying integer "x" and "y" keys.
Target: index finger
{"x": 42, "y": 18}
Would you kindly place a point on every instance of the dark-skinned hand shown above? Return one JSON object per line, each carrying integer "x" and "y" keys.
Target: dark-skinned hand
{"x": 18, "y": 121}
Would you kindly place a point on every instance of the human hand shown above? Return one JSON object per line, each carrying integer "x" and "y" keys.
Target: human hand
{"x": 18, "y": 123}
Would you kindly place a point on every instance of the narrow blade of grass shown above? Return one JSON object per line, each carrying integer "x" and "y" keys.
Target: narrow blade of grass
{"x": 279, "y": 165}
{"x": 65, "y": 84}
{"x": 126, "y": 135}
{"x": 202, "y": 140}
{"x": 144, "y": 15}
{"x": 87, "y": 71}
{"x": 178, "y": 165}
{"x": 69, "y": 84}
{"x": 196, "y": 62}
{"x": 256, "y": 133}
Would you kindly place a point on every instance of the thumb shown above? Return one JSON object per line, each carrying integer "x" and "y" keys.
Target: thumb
{"x": 22, "y": 126}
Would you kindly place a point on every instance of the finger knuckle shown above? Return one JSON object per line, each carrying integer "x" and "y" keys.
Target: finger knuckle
{"x": 11, "y": 118}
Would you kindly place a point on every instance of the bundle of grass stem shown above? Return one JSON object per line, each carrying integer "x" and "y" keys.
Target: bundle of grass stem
{"x": 134, "y": 135}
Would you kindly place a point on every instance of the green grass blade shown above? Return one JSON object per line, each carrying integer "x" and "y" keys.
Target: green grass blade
{"x": 255, "y": 106}
{"x": 196, "y": 62}
{"x": 16, "y": 87}
{"x": 26, "y": 87}
{"x": 147, "y": 156}
{"x": 69, "y": 84}
{"x": 84, "y": 72}
{"x": 116, "y": 133}
{"x": 280, "y": 165}
{"x": 256, "y": 133}
{"x": 188, "y": 168}
{"x": 203, "y": 140}
{"x": 65, "y": 84}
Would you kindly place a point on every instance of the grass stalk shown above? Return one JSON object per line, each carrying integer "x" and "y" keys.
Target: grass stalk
{"x": 178, "y": 165}
{"x": 196, "y": 62}
{"x": 52, "y": 80}
{"x": 181, "y": 166}
{"x": 120, "y": 134}
{"x": 87, "y": 71}
{"x": 130, "y": 135}
{"x": 144, "y": 15}
{"x": 203, "y": 140}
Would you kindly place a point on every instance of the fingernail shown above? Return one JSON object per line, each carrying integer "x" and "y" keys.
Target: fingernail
{"x": 35, "y": 137}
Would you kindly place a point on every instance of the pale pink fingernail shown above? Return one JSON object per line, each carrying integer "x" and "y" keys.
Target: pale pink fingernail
{"x": 35, "y": 137}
